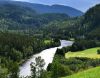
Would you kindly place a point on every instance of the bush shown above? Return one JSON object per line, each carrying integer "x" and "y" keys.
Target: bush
{"x": 49, "y": 67}
{"x": 98, "y": 51}
{"x": 82, "y": 45}
{"x": 64, "y": 67}
{"x": 59, "y": 70}
{"x": 60, "y": 52}
{"x": 63, "y": 51}
{"x": 64, "y": 71}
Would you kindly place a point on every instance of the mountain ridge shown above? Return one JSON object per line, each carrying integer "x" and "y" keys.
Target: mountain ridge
{"x": 18, "y": 17}
{"x": 41, "y": 8}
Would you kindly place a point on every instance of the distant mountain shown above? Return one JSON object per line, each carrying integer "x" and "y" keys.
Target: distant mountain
{"x": 39, "y": 8}
{"x": 87, "y": 26}
{"x": 13, "y": 17}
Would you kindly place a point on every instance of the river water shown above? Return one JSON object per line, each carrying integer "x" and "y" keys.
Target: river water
{"x": 46, "y": 54}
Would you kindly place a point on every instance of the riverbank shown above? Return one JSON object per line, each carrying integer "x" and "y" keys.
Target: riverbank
{"x": 47, "y": 55}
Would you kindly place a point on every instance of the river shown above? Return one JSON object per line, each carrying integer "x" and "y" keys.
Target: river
{"x": 46, "y": 54}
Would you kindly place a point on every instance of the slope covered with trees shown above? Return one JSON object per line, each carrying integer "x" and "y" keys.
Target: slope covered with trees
{"x": 91, "y": 22}
{"x": 87, "y": 26}
{"x": 15, "y": 47}
{"x": 42, "y": 9}
{"x": 15, "y": 17}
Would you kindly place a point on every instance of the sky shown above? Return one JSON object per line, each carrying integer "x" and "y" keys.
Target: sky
{"x": 82, "y": 5}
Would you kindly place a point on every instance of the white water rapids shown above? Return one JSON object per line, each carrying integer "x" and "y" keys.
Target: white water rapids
{"x": 46, "y": 54}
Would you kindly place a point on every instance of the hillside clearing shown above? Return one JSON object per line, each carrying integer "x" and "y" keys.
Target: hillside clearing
{"x": 90, "y": 73}
{"x": 89, "y": 53}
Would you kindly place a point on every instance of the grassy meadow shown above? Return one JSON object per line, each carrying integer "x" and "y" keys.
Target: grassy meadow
{"x": 89, "y": 53}
{"x": 90, "y": 73}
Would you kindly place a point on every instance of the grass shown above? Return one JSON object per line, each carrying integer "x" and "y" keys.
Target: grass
{"x": 89, "y": 53}
{"x": 47, "y": 41}
{"x": 90, "y": 73}
{"x": 72, "y": 39}
{"x": 3, "y": 70}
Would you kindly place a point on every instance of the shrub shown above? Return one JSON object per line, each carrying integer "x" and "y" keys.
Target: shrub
{"x": 82, "y": 45}
{"x": 98, "y": 51}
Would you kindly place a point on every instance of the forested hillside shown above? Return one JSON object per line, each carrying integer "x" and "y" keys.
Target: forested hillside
{"x": 15, "y": 49}
{"x": 25, "y": 31}
{"x": 13, "y": 17}
{"x": 27, "y": 20}
{"x": 91, "y": 22}
{"x": 42, "y": 9}
{"x": 87, "y": 26}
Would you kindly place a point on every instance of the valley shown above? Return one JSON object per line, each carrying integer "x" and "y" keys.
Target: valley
{"x": 47, "y": 55}
{"x": 48, "y": 41}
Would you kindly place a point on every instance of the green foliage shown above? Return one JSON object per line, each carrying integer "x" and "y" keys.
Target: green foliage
{"x": 60, "y": 29}
{"x": 91, "y": 24}
{"x": 90, "y": 73}
{"x": 89, "y": 53}
{"x": 27, "y": 51}
{"x": 65, "y": 67}
{"x": 37, "y": 68}
{"x": 59, "y": 70}
{"x": 18, "y": 48}
{"x": 14, "y": 69}
{"x": 86, "y": 26}
{"x": 55, "y": 69}
{"x": 24, "y": 18}
{"x": 14, "y": 48}
{"x": 63, "y": 51}
{"x": 16, "y": 55}
{"x": 3, "y": 72}
{"x": 98, "y": 51}
{"x": 79, "y": 45}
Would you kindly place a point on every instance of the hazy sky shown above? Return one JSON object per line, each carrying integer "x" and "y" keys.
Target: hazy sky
{"x": 82, "y": 5}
